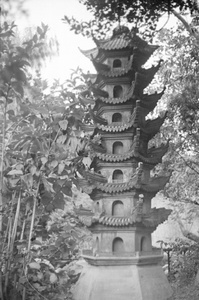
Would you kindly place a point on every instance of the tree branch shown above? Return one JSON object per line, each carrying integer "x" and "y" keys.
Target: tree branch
{"x": 186, "y": 25}
{"x": 187, "y": 233}
{"x": 184, "y": 22}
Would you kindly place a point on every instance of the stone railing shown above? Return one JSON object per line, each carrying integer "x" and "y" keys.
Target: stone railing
{"x": 90, "y": 252}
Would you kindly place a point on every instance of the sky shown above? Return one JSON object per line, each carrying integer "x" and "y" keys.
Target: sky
{"x": 51, "y": 12}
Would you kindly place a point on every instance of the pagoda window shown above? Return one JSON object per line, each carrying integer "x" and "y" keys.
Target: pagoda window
{"x": 117, "y": 117}
{"x": 118, "y": 148}
{"x": 117, "y": 91}
{"x": 97, "y": 207}
{"x": 118, "y": 245}
{"x": 118, "y": 208}
{"x": 143, "y": 244}
{"x": 97, "y": 244}
{"x": 117, "y": 176}
{"x": 117, "y": 63}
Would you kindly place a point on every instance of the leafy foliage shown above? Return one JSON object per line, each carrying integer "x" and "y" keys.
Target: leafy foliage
{"x": 40, "y": 139}
{"x": 140, "y": 13}
{"x": 184, "y": 261}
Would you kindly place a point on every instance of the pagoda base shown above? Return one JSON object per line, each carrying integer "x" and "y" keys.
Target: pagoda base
{"x": 122, "y": 282}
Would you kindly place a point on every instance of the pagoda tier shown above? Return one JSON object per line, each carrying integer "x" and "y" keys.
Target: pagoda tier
{"x": 147, "y": 102}
{"x": 120, "y": 180}
{"x": 141, "y": 79}
{"x": 133, "y": 120}
{"x": 153, "y": 185}
{"x": 153, "y": 156}
{"x": 128, "y": 69}
{"x": 151, "y": 219}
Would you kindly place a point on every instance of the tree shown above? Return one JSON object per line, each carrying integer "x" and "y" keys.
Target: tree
{"x": 40, "y": 138}
{"x": 142, "y": 14}
{"x": 180, "y": 74}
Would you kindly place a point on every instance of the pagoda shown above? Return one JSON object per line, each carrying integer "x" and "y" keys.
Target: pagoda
{"x": 122, "y": 264}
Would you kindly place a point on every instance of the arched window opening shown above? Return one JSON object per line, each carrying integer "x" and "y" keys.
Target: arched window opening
{"x": 117, "y": 176}
{"x": 117, "y": 117}
{"x": 143, "y": 244}
{"x": 117, "y": 63}
{"x": 97, "y": 206}
{"x": 118, "y": 148}
{"x": 118, "y": 208}
{"x": 97, "y": 244}
{"x": 117, "y": 91}
{"x": 118, "y": 245}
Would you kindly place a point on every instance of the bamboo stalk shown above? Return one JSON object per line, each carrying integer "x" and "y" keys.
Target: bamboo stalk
{"x": 30, "y": 236}
{"x": 11, "y": 240}
{"x": 2, "y": 160}
{"x": 1, "y": 289}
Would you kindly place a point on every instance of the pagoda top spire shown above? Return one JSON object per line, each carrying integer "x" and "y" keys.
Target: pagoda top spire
{"x": 120, "y": 29}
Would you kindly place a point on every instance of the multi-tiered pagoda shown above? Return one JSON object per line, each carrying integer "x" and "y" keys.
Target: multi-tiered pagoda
{"x": 123, "y": 264}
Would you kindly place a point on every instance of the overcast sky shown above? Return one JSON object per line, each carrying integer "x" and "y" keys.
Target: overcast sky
{"x": 50, "y": 12}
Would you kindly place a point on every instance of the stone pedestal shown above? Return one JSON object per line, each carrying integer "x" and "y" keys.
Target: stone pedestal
{"x": 127, "y": 282}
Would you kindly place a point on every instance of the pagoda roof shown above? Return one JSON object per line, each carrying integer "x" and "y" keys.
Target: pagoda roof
{"x": 149, "y": 102}
{"x": 155, "y": 217}
{"x": 152, "y": 219}
{"x": 91, "y": 53}
{"x": 122, "y": 39}
{"x": 151, "y": 127}
{"x": 155, "y": 184}
{"x": 99, "y": 92}
{"x": 144, "y": 77}
{"x": 117, "y": 221}
{"x": 92, "y": 176}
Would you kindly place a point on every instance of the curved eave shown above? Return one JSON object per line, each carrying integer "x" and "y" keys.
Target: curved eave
{"x": 117, "y": 221}
{"x": 152, "y": 127}
{"x": 99, "y": 93}
{"x": 155, "y": 217}
{"x": 100, "y": 67}
{"x": 92, "y": 53}
{"x": 116, "y": 73}
{"x": 117, "y": 187}
{"x": 149, "y": 102}
{"x": 116, "y": 43}
{"x": 88, "y": 128}
{"x": 83, "y": 184}
{"x": 115, "y": 128}
{"x": 145, "y": 53}
{"x": 114, "y": 157}
{"x": 144, "y": 77}
{"x": 155, "y": 184}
